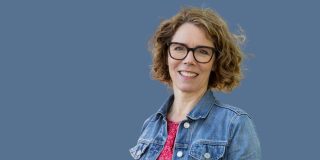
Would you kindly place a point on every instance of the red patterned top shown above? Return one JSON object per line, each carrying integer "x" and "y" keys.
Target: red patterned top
{"x": 166, "y": 153}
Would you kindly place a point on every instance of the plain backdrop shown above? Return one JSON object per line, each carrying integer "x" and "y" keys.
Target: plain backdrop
{"x": 75, "y": 75}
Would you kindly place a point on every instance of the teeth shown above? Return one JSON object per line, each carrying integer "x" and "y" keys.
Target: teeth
{"x": 188, "y": 74}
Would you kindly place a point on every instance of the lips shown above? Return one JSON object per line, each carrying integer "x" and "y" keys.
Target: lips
{"x": 188, "y": 74}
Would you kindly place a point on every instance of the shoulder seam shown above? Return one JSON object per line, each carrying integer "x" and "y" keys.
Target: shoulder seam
{"x": 234, "y": 109}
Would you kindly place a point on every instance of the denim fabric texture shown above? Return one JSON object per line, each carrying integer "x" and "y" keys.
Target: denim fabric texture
{"x": 211, "y": 131}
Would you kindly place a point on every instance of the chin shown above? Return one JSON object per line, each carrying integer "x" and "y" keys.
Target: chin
{"x": 187, "y": 88}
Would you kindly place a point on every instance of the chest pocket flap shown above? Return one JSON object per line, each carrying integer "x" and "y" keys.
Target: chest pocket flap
{"x": 207, "y": 150}
{"x": 138, "y": 150}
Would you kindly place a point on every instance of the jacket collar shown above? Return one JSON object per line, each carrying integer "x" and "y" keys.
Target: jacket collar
{"x": 165, "y": 106}
{"x": 201, "y": 110}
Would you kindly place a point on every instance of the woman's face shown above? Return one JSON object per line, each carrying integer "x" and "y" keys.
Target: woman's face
{"x": 188, "y": 75}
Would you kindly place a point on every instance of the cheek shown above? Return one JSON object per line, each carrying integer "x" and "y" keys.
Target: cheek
{"x": 171, "y": 68}
{"x": 206, "y": 69}
{"x": 211, "y": 65}
{"x": 172, "y": 64}
{"x": 207, "y": 66}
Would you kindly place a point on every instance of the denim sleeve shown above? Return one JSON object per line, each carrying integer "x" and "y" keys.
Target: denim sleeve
{"x": 243, "y": 140}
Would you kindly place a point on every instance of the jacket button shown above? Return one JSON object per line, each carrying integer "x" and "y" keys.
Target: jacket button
{"x": 179, "y": 154}
{"x": 186, "y": 125}
{"x": 207, "y": 155}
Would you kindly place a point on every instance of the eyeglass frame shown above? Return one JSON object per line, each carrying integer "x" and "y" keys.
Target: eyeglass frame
{"x": 214, "y": 51}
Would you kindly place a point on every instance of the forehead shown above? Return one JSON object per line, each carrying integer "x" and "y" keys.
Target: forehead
{"x": 191, "y": 35}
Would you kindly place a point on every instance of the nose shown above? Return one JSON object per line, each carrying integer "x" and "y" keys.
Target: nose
{"x": 190, "y": 58}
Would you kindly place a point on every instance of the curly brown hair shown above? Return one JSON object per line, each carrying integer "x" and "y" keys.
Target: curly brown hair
{"x": 226, "y": 74}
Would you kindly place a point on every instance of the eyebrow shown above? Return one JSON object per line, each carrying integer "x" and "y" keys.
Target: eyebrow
{"x": 194, "y": 47}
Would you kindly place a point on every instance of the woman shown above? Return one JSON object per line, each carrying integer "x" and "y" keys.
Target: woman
{"x": 194, "y": 53}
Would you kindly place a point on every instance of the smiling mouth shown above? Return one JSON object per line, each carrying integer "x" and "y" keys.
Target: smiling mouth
{"x": 188, "y": 74}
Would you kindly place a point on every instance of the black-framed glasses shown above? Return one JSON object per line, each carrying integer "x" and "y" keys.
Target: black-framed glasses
{"x": 202, "y": 54}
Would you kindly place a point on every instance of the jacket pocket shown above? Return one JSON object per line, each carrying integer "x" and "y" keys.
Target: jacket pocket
{"x": 207, "y": 150}
{"x": 138, "y": 150}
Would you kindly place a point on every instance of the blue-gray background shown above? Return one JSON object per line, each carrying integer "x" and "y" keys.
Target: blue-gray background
{"x": 75, "y": 82}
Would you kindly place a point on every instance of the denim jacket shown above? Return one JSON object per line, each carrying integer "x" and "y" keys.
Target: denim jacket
{"x": 211, "y": 131}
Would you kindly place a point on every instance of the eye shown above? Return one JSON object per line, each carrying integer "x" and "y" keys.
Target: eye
{"x": 203, "y": 51}
{"x": 179, "y": 48}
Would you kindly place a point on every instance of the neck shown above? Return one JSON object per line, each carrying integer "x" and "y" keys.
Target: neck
{"x": 183, "y": 103}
